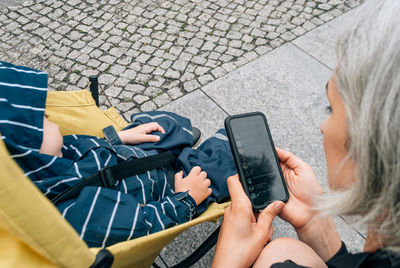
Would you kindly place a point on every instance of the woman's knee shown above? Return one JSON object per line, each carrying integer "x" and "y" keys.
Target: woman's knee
{"x": 285, "y": 248}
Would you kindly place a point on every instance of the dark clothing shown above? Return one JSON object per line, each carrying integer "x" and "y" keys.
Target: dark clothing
{"x": 345, "y": 259}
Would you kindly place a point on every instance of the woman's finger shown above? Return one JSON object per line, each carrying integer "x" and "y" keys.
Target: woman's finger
{"x": 290, "y": 160}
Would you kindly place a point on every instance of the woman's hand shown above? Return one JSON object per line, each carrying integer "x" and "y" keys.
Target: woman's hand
{"x": 242, "y": 237}
{"x": 319, "y": 233}
{"x": 196, "y": 183}
{"x": 303, "y": 187}
{"x": 140, "y": 134}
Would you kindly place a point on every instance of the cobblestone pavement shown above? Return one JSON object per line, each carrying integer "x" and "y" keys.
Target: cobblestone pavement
{"x": 151, "y": 52}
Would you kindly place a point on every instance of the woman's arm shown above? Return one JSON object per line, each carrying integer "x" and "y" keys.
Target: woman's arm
{"x": 322, "y": 236}
{"x": 317, "y": 232}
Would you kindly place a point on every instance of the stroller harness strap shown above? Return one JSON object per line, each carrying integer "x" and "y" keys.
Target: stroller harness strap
{"x": 108, "y": 176}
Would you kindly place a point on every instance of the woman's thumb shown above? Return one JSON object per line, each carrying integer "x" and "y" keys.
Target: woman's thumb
{"x": 267, "y": 216}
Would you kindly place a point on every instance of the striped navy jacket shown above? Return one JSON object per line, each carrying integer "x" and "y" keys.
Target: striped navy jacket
{"x": 136, "y": 206}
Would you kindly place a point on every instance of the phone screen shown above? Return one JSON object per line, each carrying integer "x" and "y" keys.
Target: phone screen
{"x": 258, "y": 161}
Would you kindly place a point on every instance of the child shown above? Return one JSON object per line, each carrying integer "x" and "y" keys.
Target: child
{"x": 135, "y": 206}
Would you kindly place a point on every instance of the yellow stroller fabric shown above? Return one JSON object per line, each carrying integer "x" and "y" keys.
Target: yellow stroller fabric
{"x": 33, "y": 232}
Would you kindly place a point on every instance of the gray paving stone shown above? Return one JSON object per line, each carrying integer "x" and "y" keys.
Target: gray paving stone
{"x": 162, "y": 100}
{"x": 113, "y": 91}
{"x": 143, "y": 78}
{"x": 175, "y": 93}
{"x": 152, "y": 92}
{"x": 121, "y": 82}
{"x": 139, "y": 99}
{"x": 172, "y": 74}
{"x": 126, "y": 95}
{"x": 125, "y": 106}
{"x": 8, "y": 3}
{"x": 205, "y": 79}
{"x": 106, "y": 79}
{"x": 191, "y": 85}
{"x": 136, "y": 88}
{"x": 147, "y": 69}
{"x": 156, "y": 81}
{"x": 148, "y": 106}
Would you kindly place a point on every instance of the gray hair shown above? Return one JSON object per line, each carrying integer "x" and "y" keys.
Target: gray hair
{"x": 368, "y": 79}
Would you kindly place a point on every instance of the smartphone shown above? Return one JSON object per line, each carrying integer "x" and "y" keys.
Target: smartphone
{"x": 255, "y": 158}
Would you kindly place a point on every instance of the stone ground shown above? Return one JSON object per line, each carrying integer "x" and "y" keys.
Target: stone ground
{"x": 148, "y": 53}
{"x": 202, "y": 59}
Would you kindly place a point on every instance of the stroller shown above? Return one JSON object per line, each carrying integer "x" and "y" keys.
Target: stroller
{"x": 38, "y": 236}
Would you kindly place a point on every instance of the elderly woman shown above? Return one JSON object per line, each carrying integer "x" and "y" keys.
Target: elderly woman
{"x": 362, "y": 148}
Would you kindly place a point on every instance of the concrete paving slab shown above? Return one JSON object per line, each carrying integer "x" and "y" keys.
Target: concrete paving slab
{"x": 288, "y": 86}
{"x": 321, "y": 42}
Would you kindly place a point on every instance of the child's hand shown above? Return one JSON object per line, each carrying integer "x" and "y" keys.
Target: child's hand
{"x": 196, "y": 183}
{"x": 140, "y": 134}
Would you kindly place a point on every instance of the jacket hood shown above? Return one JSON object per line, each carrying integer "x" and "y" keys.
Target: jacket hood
{"x": 23, "y": 94}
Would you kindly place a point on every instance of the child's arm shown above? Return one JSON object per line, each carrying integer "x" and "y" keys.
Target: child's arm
{"x": 196, "y": 183}
{"x": 113, "y": 216}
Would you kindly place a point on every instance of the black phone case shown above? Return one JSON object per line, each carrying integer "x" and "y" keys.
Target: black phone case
{"x": 236, "y": 157}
